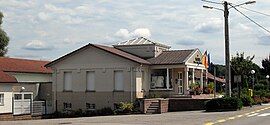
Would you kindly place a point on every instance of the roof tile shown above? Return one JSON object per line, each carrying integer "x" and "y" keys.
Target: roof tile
{"x": 171, "y": 57}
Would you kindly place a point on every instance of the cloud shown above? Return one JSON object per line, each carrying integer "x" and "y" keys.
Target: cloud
{"x": 37, "y": 45}
{"x": 69, "y": 41}
{"x": 140, "y": 32}
{"x": 211, "y": 26}
{"x": 264, "y": 40}
{"x": 190, "y": 42}
{"x": 25, "y": 4}
{"x": 44, "y": 16}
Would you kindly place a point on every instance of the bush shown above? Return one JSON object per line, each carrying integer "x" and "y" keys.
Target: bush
{"x": 260, "y": 87}
{"x": 257, "y": 100}
{"x": 124, "y": 107}
{"x": 104, "y": 111}
{"x": 265, "y": 100}
{"x": 247, "y": 100}
{"x": 224, "y": 104}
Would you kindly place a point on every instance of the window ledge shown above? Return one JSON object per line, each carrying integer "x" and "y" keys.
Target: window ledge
{"x": 67, "y": 91}
{"x": 161, "y": 89}
{"x": 90, "y": 91}
{"x": 118, "y": 90}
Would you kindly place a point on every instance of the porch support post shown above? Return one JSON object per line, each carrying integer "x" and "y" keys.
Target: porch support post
{"x": 201, "y": 79}
{"x": 193, "y": 75}
{"x": 186, "y": 81}
{"x": 168, "y": 79}
{"x": 206, "y": 77}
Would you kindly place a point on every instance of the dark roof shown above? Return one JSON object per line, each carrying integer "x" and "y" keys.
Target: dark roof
{"x": 23, "y": 65}
{"x": 140, "y": 41}
{"x": 210, "y": 76}
{"x": 122, "y": 54}
{"x": 105, "y": 48}
{"x": 171, "y": 57}
{"x": 20, "y": 66}
{"x": 6, "y": 78}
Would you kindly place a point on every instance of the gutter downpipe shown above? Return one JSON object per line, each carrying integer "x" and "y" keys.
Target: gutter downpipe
{"x": 131, "y": 85}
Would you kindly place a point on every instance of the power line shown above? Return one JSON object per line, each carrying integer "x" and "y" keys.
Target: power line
{"x": 256, "y": 11}
{"x": 211, "y": 2}
{"x": 251, "y": 20}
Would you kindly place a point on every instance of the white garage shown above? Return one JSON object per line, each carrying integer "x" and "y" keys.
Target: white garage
{"x": 22, "y": 103}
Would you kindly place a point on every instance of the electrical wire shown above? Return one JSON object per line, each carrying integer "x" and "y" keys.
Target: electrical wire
{"x": 256, "y": 11}
{"x": 211, "y": 2}
{"x": 251, "y": 20}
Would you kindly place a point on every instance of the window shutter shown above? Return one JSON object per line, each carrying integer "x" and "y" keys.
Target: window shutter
{"x": 68, "y": 81}
{"x": 118, "y": 80}
{"x": 90, "y": 81}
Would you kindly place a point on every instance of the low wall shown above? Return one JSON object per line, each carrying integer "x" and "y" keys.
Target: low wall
{"x": 11, "y": 117}
{"x": 178, "y": 104}
{"x": 163, "y": 104}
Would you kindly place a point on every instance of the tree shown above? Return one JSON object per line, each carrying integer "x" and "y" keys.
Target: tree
{"x": 241, "y": 65}
{"x": 266, "y": 66}
{"x": 3, "y": 38}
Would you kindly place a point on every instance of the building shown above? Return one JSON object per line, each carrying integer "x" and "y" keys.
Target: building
{"x": 96, "y": 76}
{"x": 21, "y": 83}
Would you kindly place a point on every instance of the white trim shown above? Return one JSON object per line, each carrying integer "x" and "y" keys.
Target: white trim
{"x": 161, "y": 89}
{"x": 167, "y": 79}
{"x": 167, "y": 66}
{"x": 190, "y": 55}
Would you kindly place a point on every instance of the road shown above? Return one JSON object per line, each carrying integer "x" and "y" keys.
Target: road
{"x": 248, "y": 116}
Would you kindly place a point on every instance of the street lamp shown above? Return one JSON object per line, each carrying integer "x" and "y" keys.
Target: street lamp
{"x": 252, "y": 72}
{"x": 226, "y": 33}
{"x": 267, "y": 78}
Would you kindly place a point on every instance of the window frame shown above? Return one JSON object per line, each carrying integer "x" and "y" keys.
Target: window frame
{"x": 93, "y": 88}
{"x": 115, "y": 82}
{"x": 2, "y": 99}
{"x": 64, "y": 81}
{"x": 90, "y": 106}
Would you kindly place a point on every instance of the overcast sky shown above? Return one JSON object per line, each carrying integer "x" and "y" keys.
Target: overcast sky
{"x": 48, "y": 29}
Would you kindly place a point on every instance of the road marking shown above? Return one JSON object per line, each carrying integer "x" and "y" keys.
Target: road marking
{"x": 264, "y": 114}
{"x": 239, "y": 116}
{"x": 209, "y": 123}
{"x": 221, "y": 120}
{"x": 231, "y": 118}
{"x": 252, "y": 114}
{"x": 249, "y": 114}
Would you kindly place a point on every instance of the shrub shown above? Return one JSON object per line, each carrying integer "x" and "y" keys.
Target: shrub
{"x": 224, "y": 104}
{"x": 260, "y": 87}
{"x": 247, "y": 100}
{"x": 124, "y": 107}
{"x": 265, "y": 100}
{"x": 257, "y": 100}
{"x": 105, "y": 111}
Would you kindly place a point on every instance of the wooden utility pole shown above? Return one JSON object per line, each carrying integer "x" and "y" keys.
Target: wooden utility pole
{"x": 227, "y": 51}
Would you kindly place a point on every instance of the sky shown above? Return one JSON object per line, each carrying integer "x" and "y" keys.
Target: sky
{"x": 48, "y": 29}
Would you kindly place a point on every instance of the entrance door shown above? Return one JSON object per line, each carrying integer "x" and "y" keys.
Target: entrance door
{"x": 22, "y": 103}
{"x": 180, "y": 83}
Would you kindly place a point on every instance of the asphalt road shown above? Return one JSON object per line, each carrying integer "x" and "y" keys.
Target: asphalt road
{"x": 257, "y": 115}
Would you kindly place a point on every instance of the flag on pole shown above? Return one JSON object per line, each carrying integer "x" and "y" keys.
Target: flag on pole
{"x": 205, "y": 59}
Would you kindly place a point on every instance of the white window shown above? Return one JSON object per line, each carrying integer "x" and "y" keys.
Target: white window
{"x": 90, "y": 81}
{"x": 118, "y": 80}
{"x": 68, "y": 81}
{"x": 1, "y": 99}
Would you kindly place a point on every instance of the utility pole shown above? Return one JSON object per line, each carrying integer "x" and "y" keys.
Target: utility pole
{"x": 227, "y": 44}
{"x": 227, "y": 51}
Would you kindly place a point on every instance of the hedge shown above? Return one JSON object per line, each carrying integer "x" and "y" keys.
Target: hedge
{"x": 223, "y": 104}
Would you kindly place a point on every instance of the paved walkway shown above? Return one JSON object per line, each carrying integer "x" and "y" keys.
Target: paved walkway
{"x": 171, "y": 118}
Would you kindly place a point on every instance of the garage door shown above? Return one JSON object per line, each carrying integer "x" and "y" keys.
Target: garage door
{"x": 22, "y": 103}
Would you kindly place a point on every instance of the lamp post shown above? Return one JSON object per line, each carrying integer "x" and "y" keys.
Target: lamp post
{"x": 267, "y": 78}
{"x": 253, "y": 73}
{"x": 227, "y": 43}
